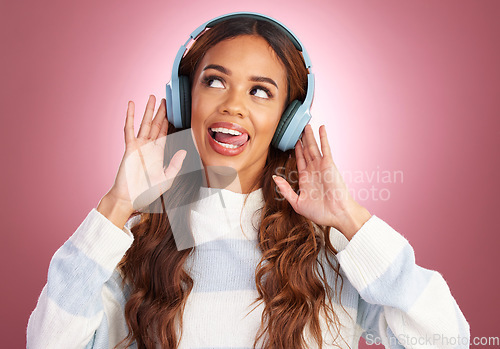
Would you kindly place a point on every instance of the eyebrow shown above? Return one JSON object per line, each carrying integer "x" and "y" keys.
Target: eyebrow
{"x": 252, "y": 78}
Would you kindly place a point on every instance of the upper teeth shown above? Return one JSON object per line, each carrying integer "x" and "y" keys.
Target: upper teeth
{"x": 226, "y": 130}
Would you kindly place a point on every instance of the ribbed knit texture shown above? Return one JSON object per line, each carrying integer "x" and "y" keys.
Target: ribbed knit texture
{"x": 388, "y": 298}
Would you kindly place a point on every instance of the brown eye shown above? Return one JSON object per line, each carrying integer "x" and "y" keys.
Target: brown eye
{"x": 261, "y": 92}
{"x": 216, "y": 83}
{"x": 213, "y": 81}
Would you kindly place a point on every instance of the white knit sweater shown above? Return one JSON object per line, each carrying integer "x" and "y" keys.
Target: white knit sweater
{"x": 388, "y": 298}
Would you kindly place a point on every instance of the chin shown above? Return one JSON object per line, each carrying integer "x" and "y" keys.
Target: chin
{"x": 222, "y": 163}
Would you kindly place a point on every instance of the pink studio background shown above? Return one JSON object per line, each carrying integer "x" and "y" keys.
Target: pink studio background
{"x": 408, "y": 87}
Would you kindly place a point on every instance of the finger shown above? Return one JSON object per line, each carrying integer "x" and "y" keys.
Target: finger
{"x": 175, "y": 164}
{"x": 148, "y": 116}
{"x": 303, "y": 143}
{"x": 299, "y": 155}
{"x": 287, "y": 191}
{"x": 325, "y": 147}
{"x": 311, "y": 147}
{"x": 129, "y": 123}
{"x": 158, "y": 121}
{"x": 164, "y": 128}
{"x": 162, "y": 136}
{"x": 172, "y": 170}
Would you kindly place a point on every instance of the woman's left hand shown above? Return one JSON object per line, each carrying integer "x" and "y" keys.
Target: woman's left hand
{"x": 323, "y": 196}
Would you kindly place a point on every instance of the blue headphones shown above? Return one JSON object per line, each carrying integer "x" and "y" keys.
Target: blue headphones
{"x": 293, "y": 120}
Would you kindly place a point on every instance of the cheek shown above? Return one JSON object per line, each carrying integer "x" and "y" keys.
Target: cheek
{"x": 197, "y": 112}
{"x": 200, "y": 106}
{"x": 196, "y": 119}
{"x": 269, "y": 124}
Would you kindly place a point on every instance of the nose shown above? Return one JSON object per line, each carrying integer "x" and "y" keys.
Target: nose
{"x": 234, "y": 104}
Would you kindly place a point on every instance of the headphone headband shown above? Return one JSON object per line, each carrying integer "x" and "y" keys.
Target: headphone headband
{"x": 295, "y": 40}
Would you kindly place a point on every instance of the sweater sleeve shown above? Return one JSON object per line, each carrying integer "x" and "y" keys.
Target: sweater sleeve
{"x": 70, "y": 308}
{"x": 401, "y": 304}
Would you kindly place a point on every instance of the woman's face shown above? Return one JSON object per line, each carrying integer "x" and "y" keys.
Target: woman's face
{"x": 238, "y": 95}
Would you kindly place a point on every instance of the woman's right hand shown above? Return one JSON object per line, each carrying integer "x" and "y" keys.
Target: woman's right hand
{"x": 141, "y": 177}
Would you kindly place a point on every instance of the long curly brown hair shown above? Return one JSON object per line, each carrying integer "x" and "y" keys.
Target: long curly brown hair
{"x": 287, "y": 278}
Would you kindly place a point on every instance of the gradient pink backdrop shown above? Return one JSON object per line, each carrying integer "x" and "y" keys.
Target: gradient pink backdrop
{"x": 410, "y": 86}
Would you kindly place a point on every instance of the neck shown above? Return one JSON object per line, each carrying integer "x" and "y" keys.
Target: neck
{"x": 223, "y": 177}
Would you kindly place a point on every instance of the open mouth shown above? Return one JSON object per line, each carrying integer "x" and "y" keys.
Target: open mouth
{"x": 228, "y": 137}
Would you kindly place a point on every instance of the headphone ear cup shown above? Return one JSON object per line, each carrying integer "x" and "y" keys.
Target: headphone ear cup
{"x": 185, "y": 101}
{"x": 287, "y": 116}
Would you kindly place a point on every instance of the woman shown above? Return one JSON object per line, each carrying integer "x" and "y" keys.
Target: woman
{"x": 272, "y": 273}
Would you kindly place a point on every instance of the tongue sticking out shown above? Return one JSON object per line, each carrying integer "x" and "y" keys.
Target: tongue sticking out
{"x": 230, "y": 139}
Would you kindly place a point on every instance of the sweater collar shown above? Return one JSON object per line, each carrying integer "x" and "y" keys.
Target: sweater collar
{"x": 218, "y": 214}
{"x": 224, "y": 198}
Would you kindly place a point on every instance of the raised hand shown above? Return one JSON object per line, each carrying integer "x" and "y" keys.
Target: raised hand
{"x": 141, "y": 174}
{"x": 323, "y": 196}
